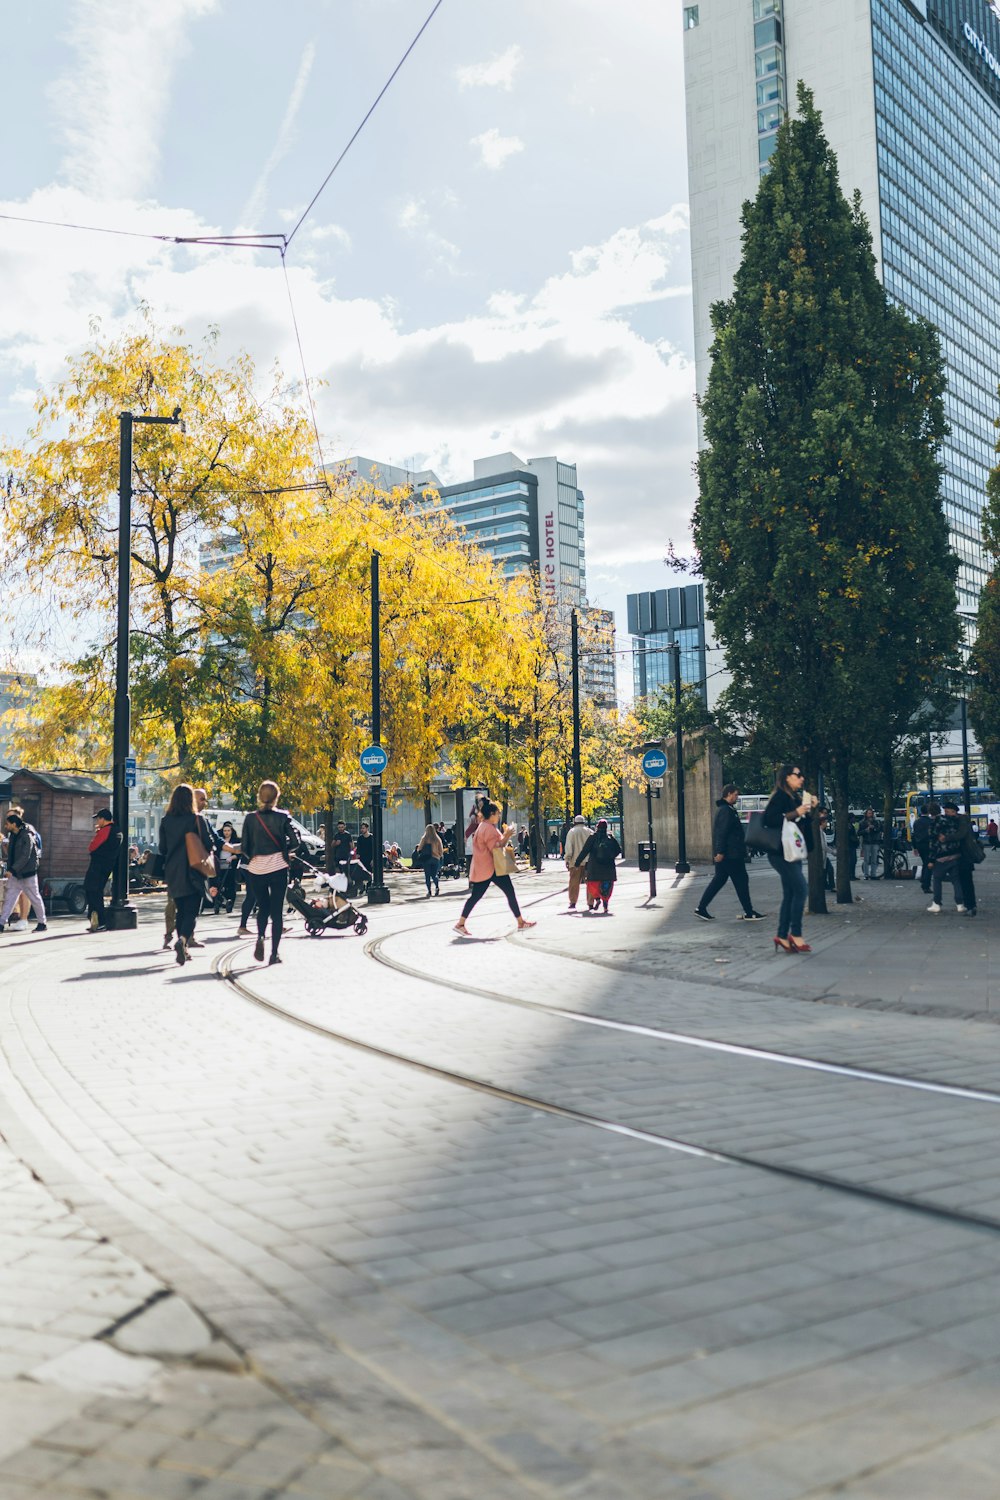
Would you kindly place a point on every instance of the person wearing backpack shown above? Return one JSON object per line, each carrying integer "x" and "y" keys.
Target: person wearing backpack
{"x": 268, "y": 842}
{"x": 599, "y": 854}
{"x": 22, "y": 871}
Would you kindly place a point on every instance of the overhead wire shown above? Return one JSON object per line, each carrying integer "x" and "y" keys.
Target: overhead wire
{"x": 371, "y": 110}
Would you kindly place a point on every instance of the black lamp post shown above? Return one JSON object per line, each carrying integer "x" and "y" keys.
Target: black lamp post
{"x": 121, "y": 914}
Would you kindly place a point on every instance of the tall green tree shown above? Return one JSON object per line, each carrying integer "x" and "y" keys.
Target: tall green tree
{"x": 819, "y": 524}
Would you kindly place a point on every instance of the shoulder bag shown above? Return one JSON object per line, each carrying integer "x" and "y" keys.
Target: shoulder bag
{"x": 793, "y": 845}
{"x": 198, "y": 857}
{"x": 759, "y": 836}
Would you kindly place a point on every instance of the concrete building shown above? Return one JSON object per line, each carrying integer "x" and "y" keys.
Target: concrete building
{"x": 909, "y": 91}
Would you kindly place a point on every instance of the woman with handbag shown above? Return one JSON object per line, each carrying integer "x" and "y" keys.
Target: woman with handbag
{"x": 599, "y": 854}
{"x": 787, "y": 818}
{"x": 492, "y": 864}
{"x": 428, "y": 856}
{"x": 185, "y": 842}
{"x": 268, "y": 842}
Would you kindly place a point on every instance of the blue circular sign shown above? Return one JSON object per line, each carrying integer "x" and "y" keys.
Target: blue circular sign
{"x": 374, "y": 760}
{"x": 654, "y": 763}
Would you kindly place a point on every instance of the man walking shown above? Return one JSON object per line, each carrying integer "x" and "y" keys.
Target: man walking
{"x": 870, "y": 834}
{"x": 22, "y": 871}
{"x": 576, "y": 837}
{"x": 103, "y": 849}
{"x": 729, "y": 854}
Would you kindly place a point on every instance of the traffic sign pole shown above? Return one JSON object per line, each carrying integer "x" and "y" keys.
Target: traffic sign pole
{"x": 649, "y": 825}
{"x": 378, "y": 892}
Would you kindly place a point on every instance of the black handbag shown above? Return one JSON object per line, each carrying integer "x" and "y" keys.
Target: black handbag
{"x": 760, "y": 837}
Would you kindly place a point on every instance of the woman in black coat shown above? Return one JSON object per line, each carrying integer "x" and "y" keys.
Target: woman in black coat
{"x": 790, "y": 804}
{"x": 268, "y": 842}
{"x": 185, "y": 883}
{"x": 599, "y": 854}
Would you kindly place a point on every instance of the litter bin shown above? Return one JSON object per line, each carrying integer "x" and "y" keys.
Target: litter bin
{"x": 647, "y": 856}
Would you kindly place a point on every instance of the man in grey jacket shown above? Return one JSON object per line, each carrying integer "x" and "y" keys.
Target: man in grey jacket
{"x": 22, "y": 870}
{"x": 577, "y": 836}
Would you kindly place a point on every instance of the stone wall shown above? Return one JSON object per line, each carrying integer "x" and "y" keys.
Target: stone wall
{"x": 702, "y": 787}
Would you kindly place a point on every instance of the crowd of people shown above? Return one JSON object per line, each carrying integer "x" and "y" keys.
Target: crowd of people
{"x": 201, "y": 865}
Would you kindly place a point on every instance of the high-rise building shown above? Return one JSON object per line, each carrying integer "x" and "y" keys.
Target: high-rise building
{"x": 526, "y": 513}
{"x": 658, "y": 620}
{"x": 909, "y": 91}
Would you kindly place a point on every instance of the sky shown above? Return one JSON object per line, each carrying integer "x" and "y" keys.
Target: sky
{"x": 501, "y": 262}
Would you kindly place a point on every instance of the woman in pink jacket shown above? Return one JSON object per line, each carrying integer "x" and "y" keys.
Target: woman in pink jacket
{"x": 482, "y": 874}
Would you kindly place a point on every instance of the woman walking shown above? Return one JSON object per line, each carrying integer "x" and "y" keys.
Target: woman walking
{"x": 185, "y": 882}
{"x": 599, "y": 854}
{"x": 430, "y": 853}
{"x": 789, "y": 808}
{"x": 483, "y": 872}
{"x": 225, "y": 893}
{"x": 268, "y": 841}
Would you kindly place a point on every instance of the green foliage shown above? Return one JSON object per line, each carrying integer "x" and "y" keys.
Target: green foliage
{"x": 984, "y": 699}
{"x": 819, "y": 524}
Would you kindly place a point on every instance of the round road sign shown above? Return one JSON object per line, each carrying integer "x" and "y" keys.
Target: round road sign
{"x": 654, "y": 763}
{"x": 374, "y": 760}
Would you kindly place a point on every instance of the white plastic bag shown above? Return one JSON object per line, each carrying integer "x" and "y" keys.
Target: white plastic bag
{"x": 793, "y": 845}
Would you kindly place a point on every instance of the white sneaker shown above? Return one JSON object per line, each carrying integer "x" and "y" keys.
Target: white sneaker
{"x": 934, "y": 906}
{"x": 959, "y": 907}
{"x": 19, "y": 926}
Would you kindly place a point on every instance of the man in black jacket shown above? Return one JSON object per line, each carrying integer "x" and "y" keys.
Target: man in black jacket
{"x": 104, "y": 847}
{"x": 729, "y": 853}
{"x": 920, "y": 834}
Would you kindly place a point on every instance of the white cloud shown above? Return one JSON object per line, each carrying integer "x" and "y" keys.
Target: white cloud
{"x": 113, "y": 100}
{"x": 254, "y": 205}
{"x": 497, "y": 73}
{"x": 495, "y": 148}
{"x": 415, "y": 219}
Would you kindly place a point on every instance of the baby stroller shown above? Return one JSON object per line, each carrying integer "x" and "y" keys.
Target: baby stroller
{"x": 327, "y": 909}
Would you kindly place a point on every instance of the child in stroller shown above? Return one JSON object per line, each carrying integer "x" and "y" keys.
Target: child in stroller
{"x": 327, "y": 909}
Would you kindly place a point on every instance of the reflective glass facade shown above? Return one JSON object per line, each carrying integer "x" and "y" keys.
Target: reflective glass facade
{"x": 656, "y": 620}
{"x": 938, "y": 139}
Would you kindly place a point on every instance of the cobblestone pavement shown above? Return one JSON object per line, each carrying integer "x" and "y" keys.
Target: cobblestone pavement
{"x": 406, "y": 1290}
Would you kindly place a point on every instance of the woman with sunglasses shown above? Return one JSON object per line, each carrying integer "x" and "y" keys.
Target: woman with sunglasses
{"x": 790, "y": 804}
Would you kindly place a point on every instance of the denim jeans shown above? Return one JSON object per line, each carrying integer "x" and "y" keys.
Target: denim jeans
{"x": 869, "y": 861}
{"x": 793, "y": 894}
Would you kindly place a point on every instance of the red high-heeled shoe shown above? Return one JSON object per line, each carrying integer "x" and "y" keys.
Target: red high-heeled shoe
{"x": 784, "y": 944}
{"x": 798, "y": 947}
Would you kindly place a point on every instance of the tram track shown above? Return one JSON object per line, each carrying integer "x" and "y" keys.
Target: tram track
{"x": 223, "y": 966}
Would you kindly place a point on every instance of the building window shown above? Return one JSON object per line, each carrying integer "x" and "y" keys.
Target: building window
{"x": 769, "y": 119}
{"x": 690, "y": 17}
{"x": 767, "y": 33}
{"x": 768, "y": 60}
{"x": 765, "y": 148}
{"x": 771, "y": 90}
{"x": 764, "y": 8}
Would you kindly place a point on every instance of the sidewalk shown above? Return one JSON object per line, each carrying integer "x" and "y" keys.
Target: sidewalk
{"x": 404, "y": 1291}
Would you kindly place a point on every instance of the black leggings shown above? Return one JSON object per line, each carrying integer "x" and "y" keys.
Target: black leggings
{"x": 270, "y": 892}
{"x": 478, "y": 889}
{"x": 249, "y": 900}
{"x": 187, "y": 914}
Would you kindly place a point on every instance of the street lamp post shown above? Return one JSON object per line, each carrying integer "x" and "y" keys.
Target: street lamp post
{"x": 681, "y": 867}
{"x": 378, "y": 891}
{"x": 577, "y": 767}
{"x": 121, "y": 914}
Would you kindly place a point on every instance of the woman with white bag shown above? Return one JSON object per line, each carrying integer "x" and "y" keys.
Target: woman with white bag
{"x": 787, "y": 813}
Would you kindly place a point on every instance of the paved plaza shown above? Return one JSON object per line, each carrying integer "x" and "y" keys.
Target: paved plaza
{"x": 421, "y": 1217}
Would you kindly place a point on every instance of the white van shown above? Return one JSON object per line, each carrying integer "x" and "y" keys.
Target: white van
{"x": 312, "y": 843}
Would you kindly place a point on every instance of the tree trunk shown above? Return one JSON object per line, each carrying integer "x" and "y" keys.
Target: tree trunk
{"x": 427, "y": 803}
{"x": 328, "y": 835}
{"x": 817, "y": 862}
{"x": 536, "y": 815}
{"x": 842, "y": 817}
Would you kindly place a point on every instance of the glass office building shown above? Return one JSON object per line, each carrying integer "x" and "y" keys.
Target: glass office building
{"x": 909, "y": 91}
{"x": 656, "y": 620}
